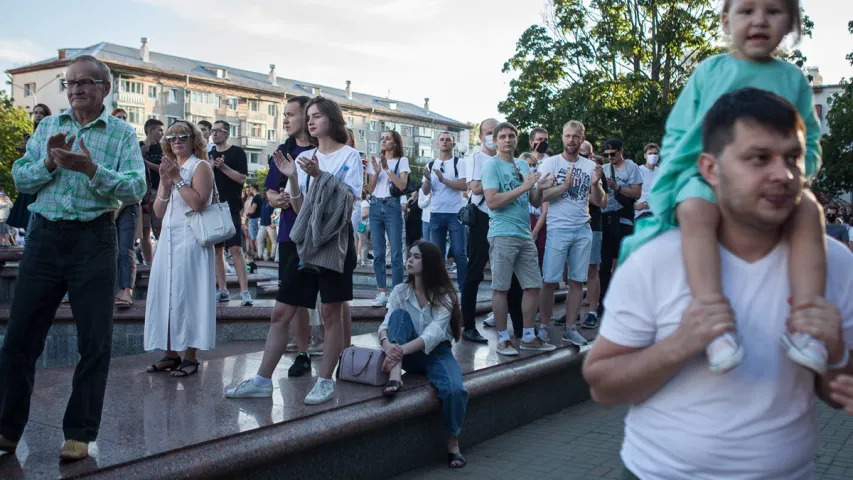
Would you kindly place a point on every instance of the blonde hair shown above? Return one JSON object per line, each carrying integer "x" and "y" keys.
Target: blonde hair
{"x": 575, "y": 124}
{"x": 183, "y": 126}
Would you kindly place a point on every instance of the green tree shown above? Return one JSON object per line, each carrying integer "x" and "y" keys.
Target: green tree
{"x": 836, "y": 175}
{"x": 14, "y": 124}
{"x": 260, "y": 177}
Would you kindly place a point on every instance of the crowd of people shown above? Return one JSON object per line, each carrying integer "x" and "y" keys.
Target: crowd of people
{"x": 706, "y": 230}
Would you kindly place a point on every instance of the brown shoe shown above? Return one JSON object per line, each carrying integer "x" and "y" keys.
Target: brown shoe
{"x": 7, "y": 445}
{"x": 74, "y": 450}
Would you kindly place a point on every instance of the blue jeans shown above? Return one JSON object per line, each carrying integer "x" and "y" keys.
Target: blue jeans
{"x": 254, "y": 227}
{"x": 440, "y": 368}
{"x": 126, "y": 228}
{"x": 439, "y": 225}
{"x": 426, "y": 230}
{"x": 386, "y": 218}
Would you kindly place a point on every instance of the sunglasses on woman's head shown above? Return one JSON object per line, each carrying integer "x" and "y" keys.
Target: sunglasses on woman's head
{"x": 518, "y": 173}
{"x": 173, "y": 138}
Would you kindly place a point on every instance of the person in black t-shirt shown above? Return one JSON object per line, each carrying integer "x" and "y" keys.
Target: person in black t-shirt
{"x": 254, "y": 214}
{"x": 151, "y": 153}
{"x": 230, "y": 171}
{"x": 593, "y": 285}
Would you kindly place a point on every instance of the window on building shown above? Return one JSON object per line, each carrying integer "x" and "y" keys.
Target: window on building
{"x": 391, "y": 126}
{"x": 173, "y": 95}
{"x": 134, "y": 115}
{"x": 425, "y": 132}
{"x": 408, "y": 152}
{"x": 197, "y": 118}
{"x": 271, "y": 109}
{"x": 350, "y": 122}
{"x": 271, "y": 135}
{"x": 171, "y": 120}
{"x": 235, "y": 130}
{"x": 257, "y": 130}
{"x": 362, "y": 135}
{"x": 373, "y": 147}
{"x": 373, "y": 125}
{"x": 407, "y": 130}
{"x": 154, "y": 116}
{"x": 218, "y": 101}
{"x": 232, "y": 103}
{"x": 152, "y": 92}
{"x": 128, "y": 86}
{"x": 426, "y": 151}
{"x": 221, "y": 73}
{"x": 253, "y": 105}
{"x": 254, "y": 158}
{"x": 29, "y": 89}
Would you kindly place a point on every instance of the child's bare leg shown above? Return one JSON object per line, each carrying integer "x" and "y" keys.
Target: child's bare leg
{"x": 807, "y": 256}
{"x": 699, "y": 220}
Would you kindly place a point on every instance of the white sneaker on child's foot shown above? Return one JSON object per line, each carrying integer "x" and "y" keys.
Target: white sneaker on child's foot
{"x": 724, "y": 353}
{"x": 805, "y": 350}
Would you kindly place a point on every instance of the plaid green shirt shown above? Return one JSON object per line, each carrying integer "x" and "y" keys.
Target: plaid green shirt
{"x": 67, "y": 195}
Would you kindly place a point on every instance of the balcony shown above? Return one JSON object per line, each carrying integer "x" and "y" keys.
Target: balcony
{"x": 126, "y": 98}
{"x": 252, "y": 142}
{"x": 201, "y": 109}
{"x": 258, "y": 117}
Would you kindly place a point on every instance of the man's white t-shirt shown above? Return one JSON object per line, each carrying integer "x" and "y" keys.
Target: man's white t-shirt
{"x": 333, "y": 163}
{"x": 444, "y": 198}
{"x": 571, "y": 209}
{"x": 649, "y": 178}
{"x": 474, "y": 171}
{"x": 757, "y": 421}
{"x": 383, "y": 183}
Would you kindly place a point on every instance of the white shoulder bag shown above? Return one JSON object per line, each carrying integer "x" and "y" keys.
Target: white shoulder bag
{"x": 213, "y": 224}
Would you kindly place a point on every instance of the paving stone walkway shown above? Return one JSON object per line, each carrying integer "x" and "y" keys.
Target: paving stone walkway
{"x": 582, "y": 442}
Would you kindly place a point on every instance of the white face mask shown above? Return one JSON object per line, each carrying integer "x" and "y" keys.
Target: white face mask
{"x": 652, "y": 159}
{"x": 490, "y": 142}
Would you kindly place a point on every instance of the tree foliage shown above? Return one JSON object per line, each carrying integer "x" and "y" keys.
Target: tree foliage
{"x": 14, "y": 124}
{"x": 836, "y": 175}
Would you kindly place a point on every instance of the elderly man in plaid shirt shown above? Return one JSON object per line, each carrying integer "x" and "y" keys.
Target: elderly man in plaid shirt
{"x": 83, "y": 164}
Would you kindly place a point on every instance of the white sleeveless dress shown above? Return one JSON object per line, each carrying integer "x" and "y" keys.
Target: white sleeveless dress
{"x": 181, "y": 299}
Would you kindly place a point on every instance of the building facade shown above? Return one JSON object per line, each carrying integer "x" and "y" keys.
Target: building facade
{"x": 151, "y": 85}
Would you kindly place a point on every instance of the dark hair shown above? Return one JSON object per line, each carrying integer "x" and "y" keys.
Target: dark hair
{"x": 224, "y": 124}
{"x": 651, "y": 145}
{"x": 331, "y": 110}
{"x": 793, "y": 7}
{"x": 505, "y": 126}
{"x": 537, "y": 130}
{"x": 151, "y": 122}
{"x": 205, "y": 123}
{"x": 760, "y": 106}
{"x": 437, "y": 285}
{"x": 350, "y": 137}
{"x": 302, "y": 100}
{"x": 43, "y": 107}
{"x": 397, "y": 151}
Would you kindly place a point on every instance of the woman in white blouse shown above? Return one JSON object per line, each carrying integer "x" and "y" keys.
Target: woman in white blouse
{"x": 423, "y": 319}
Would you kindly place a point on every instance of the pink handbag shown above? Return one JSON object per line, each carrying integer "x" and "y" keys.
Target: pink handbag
{"x": 362, "y": 365}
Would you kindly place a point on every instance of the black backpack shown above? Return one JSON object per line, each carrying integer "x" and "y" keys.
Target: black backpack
{"x": 455, "y": 166}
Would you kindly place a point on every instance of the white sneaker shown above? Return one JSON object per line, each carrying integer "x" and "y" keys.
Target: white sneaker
{"x": 543, "y": 334}
{"x": 805, "y": 350}
{"x": 248, "y": 389}
{"x": 246, "y": 299}
{"x": 315, "y": 348}
{"x": 489, "y": 321}
{"x": 381, "y": 300}
{"x": 322, "y": 392}
{"x": 506, "y": 348}
{"x": 724, "y": 353}
{"x": 537, "y": 345}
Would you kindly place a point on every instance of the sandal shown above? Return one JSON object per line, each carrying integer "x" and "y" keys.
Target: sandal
{"x": 190, "y": 366}
{"x": 395, "y": 384}
{"x": 122, "y": 303}
{"x": 457, "y": 458}
{"x": 173, "y": 363}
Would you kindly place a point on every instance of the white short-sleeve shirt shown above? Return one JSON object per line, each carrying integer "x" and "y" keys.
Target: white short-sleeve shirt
{"x": 474, "y": 171}
{"x": 383, "y": 183}
{"x": 345, "y": 158}
{"x": 756, "y": 422}
{"x": 444, "y": 198}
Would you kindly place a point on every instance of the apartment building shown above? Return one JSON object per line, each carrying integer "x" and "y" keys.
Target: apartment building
{"x": 152, "y": 85}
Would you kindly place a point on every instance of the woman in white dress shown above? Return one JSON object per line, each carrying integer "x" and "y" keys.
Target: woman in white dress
{"x": 181, "y": 305}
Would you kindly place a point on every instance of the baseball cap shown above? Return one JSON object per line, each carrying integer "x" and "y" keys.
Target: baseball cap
{"x": 613, "y": 144}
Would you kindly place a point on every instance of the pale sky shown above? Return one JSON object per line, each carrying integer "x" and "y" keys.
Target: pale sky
{"x": 451, "y": 51}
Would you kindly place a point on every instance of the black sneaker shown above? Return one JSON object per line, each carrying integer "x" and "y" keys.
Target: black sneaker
{"x": 560, "y": 321}
{"x": 590, "y": 322}
{"x": 473, "y": 335}
{"x": 301, "y": 365}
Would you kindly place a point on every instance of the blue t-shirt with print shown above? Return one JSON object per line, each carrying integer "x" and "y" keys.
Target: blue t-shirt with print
{"x": 512, "y": 220}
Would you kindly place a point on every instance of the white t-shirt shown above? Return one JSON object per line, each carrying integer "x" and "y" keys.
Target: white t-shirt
{"x": 474, "y": 171}
{"x": 383, "y": 183}
{"x": 757, "y": 421}
{"x": 649, "y": 178}
{"x": 571, "y": 209}
{"x": 444, "y": 198}
{"x": 333, "y": 163}
{"x": 424, "y": 202}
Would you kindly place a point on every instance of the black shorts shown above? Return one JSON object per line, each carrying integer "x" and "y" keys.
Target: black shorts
{"x": 300, "y": 288}
{"x": 238, "y": 238}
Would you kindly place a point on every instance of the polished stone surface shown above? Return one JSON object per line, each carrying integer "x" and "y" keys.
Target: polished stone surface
{"x": 149, "y": 415}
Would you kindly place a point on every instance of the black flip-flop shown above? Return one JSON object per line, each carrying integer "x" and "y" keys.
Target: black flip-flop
{"x": 392, "y": 384}
{"x": 187, "y": 368}
{"x": 456, "y": 457}
{"x": 175, "y": 363}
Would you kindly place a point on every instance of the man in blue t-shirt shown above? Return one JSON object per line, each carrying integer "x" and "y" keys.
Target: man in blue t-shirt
{"x": 507, "y": 184}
